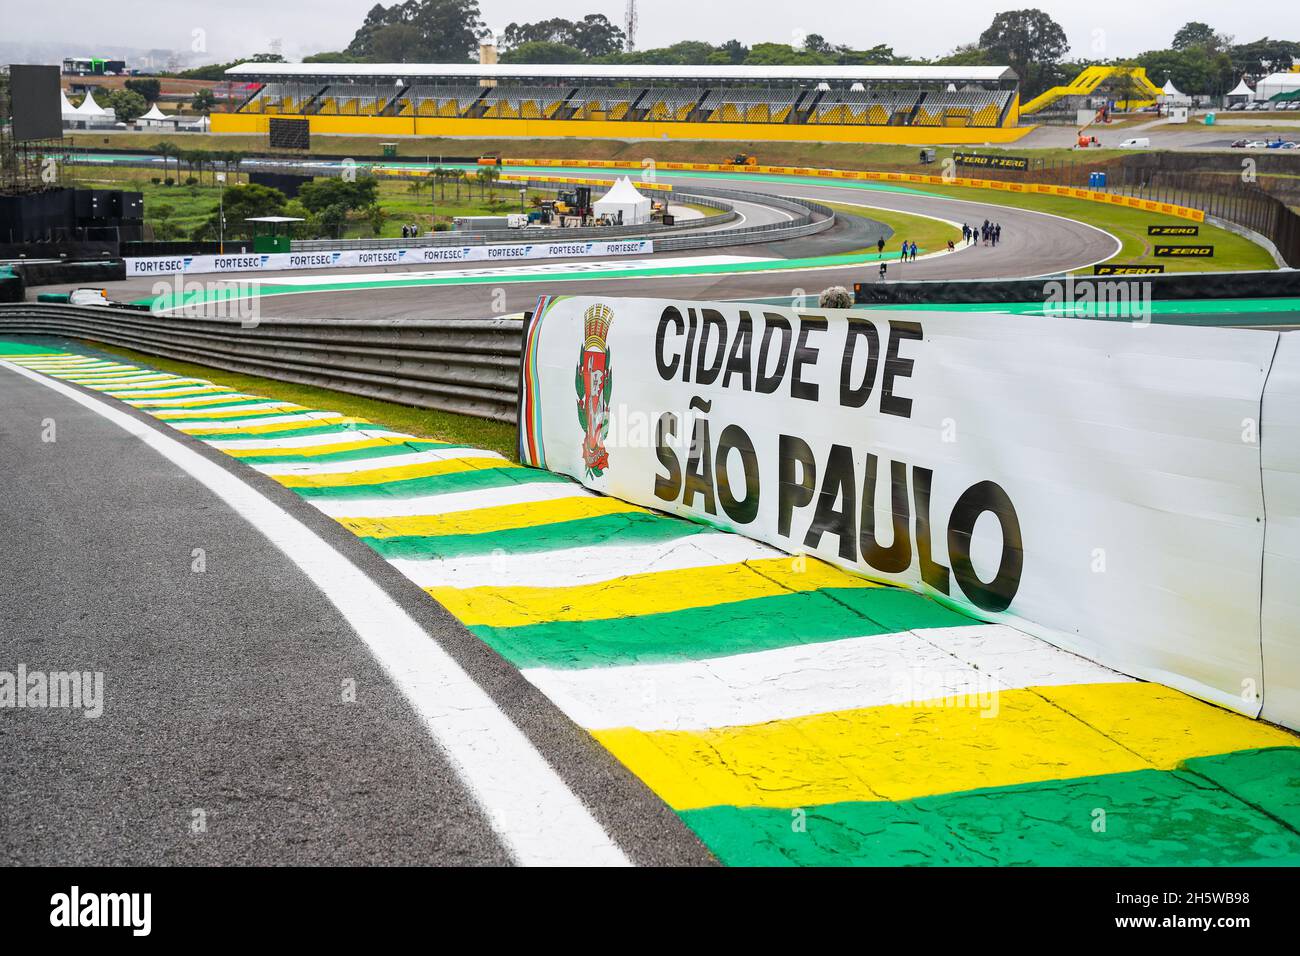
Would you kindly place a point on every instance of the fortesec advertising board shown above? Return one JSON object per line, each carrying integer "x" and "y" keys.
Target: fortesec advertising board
{"x": 1094, "y": 483}
{"x": 380, "y": 258}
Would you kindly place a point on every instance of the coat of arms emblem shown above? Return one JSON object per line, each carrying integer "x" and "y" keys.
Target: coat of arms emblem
{"x": 593, "y": 385}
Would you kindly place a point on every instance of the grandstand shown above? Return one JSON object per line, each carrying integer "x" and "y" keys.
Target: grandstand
{"x": 846, "y": 104}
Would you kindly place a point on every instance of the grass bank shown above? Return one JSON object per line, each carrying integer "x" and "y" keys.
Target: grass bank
{"x": 421, "y": 422}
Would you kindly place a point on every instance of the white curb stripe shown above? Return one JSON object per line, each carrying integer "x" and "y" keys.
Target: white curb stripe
{"x": 968, "y": 665}
{"x": 569, "y": 567}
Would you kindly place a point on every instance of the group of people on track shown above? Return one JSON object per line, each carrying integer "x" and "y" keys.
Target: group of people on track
{"x": 907, "y": 251}
{"x": 990, "y": 233}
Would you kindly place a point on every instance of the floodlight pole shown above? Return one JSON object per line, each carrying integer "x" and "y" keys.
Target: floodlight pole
{"x": 221, "y": 214}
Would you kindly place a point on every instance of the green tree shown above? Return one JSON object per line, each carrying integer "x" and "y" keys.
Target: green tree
{"x": 127, "y": 104}
{"x": 1030, "y": 42}
{"x": 147, "y": 87}
{"x": 397, "y": 43}
{"x": 1197, "y": 34}
{"x": 204, "y": 100}
{"x": 319, "y": 194}
{"x": 449, "y": 30}
{"x": 543, "y": 51}
{"x": 246, "y": 202}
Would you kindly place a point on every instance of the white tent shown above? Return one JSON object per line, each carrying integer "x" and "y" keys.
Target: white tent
{"x": 69, "y": 111}
{"x": 623, "y": 198}
{"x": 89, "y": 109}
{"x": 1173, "y": 96}
{"x": 1275, "y": 83}
{"x": 1242, "y": 92}
{"x": 200, "y": 125}
{"x": 155, "y": 117}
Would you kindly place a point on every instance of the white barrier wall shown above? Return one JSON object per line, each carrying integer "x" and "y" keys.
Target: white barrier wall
{"x": 1095, "y": 483}
{"x": 1280, "y": 424}
{"x": 353, "y": 258}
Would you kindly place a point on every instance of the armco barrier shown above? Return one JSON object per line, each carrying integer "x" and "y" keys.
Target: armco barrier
{"x": 1171, "y": 286}
{"x": 1092, "y": 195}
{"x": 468, "y": 366}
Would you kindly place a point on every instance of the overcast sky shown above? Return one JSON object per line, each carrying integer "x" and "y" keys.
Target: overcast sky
{"x": 235, "y": 28}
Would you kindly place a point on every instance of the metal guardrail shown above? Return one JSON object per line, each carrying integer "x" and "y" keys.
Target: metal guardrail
{"x": 468, "y": 366}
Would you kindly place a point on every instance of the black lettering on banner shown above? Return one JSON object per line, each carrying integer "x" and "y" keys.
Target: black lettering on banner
{"x": 692, "y": 325}
{"x": 805, "y": 354}
{"x": 712, "y": 321}
{"x": 837, "y": 484}
{"x": 1105, "y": 270}
{"x": 932, "y": 573}
{"x": 763, "y": 383}
{"x": 667, "y": 486}
{"x": 896, "y": 558}
{"x": 974, "y": 501}
{"x": 744, "y": 510}
{"x": 738, "y": 360}
{"x": 699, "y": 462}
{"x": 792, "y": 494}
{"x": 897, "y": 367}
{"x": 670, "y": 314}
{"x": 852, "y": 396}
{"x": 991, "y": 161}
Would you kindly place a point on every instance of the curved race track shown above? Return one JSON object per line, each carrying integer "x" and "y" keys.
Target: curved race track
{"x": 1032, "y": 244}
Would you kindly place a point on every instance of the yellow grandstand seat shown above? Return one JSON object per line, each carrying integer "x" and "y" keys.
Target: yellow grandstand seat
{"x": 986, "y": 116}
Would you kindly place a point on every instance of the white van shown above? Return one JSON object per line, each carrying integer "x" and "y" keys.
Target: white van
{"x": 1139, "y": 142}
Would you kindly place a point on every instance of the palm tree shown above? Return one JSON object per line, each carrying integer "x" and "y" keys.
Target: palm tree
{"x": 167, "y": 150}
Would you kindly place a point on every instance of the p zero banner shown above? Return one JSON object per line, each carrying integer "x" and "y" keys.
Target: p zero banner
{"x": 991, "y": 161}
{"x": 1183, "y": 251}
{"x": 1173, "y": 230}
{"x": 353, "y": 258}
{"x": 1115, "y": 270}
{"x": 1093, "y": 483}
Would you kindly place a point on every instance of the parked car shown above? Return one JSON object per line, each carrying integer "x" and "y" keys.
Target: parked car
{"x": 1236, "y": 107}
{"x": 1289, "y": 145}
{"x": 1137, "y": 142}
{"x": 1240, "y": 143}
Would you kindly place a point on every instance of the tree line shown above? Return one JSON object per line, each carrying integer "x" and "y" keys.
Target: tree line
{"x": 1199, "y": 59}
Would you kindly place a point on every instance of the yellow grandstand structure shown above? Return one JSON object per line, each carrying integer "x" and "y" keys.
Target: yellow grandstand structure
{"x": 1138, "y": 89}
{"x": 921, "y": 104}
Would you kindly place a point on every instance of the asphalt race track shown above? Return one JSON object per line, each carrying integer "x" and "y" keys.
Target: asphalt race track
{"x": 222, "y": 696}
{"x": 1032, "y": 244}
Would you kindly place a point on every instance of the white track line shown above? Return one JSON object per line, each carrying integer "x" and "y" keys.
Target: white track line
{"x": 535, "y": 815}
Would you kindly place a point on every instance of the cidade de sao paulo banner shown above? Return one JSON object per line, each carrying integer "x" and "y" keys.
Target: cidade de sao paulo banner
{"x": 1090, "y": 482}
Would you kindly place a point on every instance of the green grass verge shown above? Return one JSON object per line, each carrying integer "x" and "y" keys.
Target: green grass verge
{"x": 1130, "y": 227}
{"x": 421, "y": 422}
{"x": 434, "y": 149}
{"x": 192, "y": 206}
{"x": 930, "y": 235}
